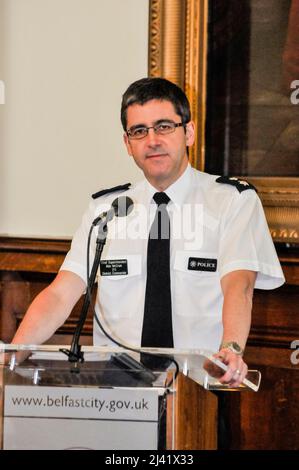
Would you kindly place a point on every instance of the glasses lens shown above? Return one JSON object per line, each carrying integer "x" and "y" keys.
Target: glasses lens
{"x": 137, "y": 132}
{"x": 165, "y": 128}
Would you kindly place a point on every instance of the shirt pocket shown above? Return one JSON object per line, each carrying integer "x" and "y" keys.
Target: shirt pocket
{"x": 118, "y": 294}
{"x": 196, "y": 289}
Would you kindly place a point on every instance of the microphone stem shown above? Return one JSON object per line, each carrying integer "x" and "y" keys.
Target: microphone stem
{"x": 75, "y": 354}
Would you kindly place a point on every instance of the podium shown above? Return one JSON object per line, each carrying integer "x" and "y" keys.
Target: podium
{"x": 105, "y": 402}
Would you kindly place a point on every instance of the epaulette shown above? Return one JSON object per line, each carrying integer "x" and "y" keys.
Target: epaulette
{"x": 239, "y": 184}
{"x": 122, "y": 187}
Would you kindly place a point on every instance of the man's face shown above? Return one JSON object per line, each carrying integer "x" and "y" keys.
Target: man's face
{"x": 162, "y": 158}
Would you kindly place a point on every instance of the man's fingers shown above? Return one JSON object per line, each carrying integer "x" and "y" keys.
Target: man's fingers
{"x": 237, "y": 369}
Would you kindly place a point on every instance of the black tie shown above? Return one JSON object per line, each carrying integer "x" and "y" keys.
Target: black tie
{"x": 157, "y": 321}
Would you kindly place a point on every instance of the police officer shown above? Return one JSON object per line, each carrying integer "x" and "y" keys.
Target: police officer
{"x": 220, "y": 248}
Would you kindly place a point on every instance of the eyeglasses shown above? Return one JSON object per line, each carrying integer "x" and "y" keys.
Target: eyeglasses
{"x": 162, "y": 128}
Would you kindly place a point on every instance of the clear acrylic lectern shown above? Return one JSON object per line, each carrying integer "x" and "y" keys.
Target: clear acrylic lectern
{"x": 104, "y": 402}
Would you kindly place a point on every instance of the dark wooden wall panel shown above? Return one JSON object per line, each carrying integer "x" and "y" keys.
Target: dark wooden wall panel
{"x": 27, "y": 266}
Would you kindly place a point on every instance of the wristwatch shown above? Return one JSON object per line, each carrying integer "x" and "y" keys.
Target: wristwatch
{"x": 233, "y": 346}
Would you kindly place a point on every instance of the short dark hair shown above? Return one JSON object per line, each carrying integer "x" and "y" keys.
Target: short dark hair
{"x": 147, "y": 89}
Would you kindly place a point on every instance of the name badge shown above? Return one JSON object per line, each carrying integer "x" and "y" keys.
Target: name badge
{"x": 114, "y": 267}
{"x": 202, "y": 264}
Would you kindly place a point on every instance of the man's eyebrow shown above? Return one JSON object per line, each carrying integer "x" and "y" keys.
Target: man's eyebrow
{"x": 136, "y": 126}
{"x": 162, "y": 120}
{"x": 159, "y": 121}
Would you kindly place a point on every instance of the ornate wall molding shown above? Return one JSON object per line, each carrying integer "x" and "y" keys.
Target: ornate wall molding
{"x": 195, "y": 73}
{"x": 280, "y": 198}
{"x": 154, "y": 43}
{"x": 166, "y": 39}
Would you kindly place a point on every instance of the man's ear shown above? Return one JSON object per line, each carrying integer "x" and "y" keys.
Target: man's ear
{"x": 127, "y": 144}
{"x": 190, "y": 133}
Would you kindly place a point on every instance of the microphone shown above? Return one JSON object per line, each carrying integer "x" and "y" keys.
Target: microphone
{"x": 120, "y": 207}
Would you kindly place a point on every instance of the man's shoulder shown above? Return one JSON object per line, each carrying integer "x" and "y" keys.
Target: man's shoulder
{"x": 121, "y": 189}
{"x": 234, "y": 182}
{"x": 104, "y": 198}
{"x": 103, "y": 192}
{"x": 226, "y": 184}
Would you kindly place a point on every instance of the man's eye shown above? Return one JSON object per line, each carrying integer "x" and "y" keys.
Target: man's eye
{"x": 164, "y": 126}
{"x": 138, "y": 131}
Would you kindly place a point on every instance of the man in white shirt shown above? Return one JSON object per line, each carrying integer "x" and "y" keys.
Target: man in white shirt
{"x": 220, "y": 246}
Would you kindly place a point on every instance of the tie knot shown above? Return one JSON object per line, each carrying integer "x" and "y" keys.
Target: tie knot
{"x": 161, "y": 198}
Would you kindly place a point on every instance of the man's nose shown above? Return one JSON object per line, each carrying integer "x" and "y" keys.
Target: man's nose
{"x": 152, "y": 137}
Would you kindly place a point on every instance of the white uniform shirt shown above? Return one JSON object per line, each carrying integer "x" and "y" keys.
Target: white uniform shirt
{"x": 214, "y": 230}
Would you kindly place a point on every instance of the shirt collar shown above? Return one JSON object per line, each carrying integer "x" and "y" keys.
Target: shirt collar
{"x": 177, "y": 191}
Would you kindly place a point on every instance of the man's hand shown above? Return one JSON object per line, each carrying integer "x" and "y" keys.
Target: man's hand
{"x": 237, "y": 368}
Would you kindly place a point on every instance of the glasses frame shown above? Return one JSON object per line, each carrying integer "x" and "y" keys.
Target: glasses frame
{"x": 174, "y": 124}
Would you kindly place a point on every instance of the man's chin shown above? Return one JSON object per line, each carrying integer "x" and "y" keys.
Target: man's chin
{"x": 157, "y": 173}
{"x": 157, "y": 166}
{"x": 158, "y": 179}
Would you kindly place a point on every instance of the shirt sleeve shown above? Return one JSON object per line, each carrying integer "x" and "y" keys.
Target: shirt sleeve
{"x": 246, "y": 242}
{"x": 76, "y": 259}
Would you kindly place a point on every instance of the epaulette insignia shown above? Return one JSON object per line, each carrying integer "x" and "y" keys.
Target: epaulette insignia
{"x": 122, "y": 187}
{"x": 239, "y": 184}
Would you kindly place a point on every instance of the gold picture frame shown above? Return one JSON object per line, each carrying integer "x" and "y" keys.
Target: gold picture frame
{"x": 178, "y": 51}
